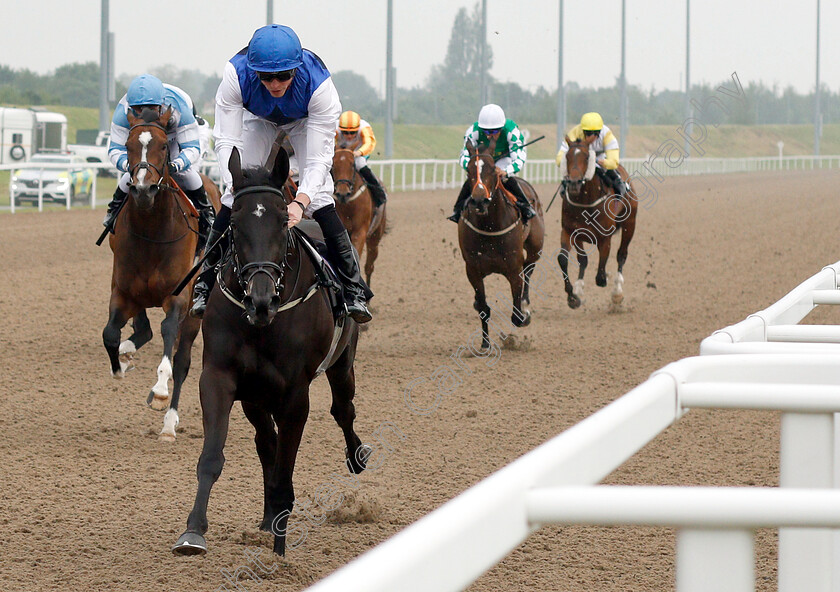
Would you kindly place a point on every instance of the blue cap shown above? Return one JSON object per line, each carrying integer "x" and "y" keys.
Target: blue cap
{"x": 145, "y": 90}
{"x": 274, "y": 48}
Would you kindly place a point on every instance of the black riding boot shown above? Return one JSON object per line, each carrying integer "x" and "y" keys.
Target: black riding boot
{"x": 343, "y": 256}
{"x": 616, "y": 181}
{"x": 207, "y": 278}
{"x": 377, "y": 192}
{"x": 525, "y": 207}
{"x": 206, "y": 214}
{"x": 460, "y": 202}
{"x": 114, "y": 207}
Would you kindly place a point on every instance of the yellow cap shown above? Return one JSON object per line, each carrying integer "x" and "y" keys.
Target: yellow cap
{"x": 349, "y": 121}
{"x": 591, "y": 122}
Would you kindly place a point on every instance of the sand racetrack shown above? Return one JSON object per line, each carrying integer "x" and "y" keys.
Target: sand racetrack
{"x": 90, "y": 500}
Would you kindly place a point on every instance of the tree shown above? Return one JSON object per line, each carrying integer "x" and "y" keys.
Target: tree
{"x": 358, "y": 95}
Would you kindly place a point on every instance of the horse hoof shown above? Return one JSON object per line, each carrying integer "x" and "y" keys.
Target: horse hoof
{"x": 358, "y": 462}
{"x": 600, "y": 281}
{"x": 157, "y": 402}
{"x": 524, "y": 321}
{"x": 574, "y": 302}
{"x": 166, "y": 437}
{"x": 617, "y": 298}
{"x": 190, "y": 543}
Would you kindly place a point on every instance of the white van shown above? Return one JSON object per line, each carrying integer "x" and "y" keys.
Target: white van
{"x": 24, "y": 132}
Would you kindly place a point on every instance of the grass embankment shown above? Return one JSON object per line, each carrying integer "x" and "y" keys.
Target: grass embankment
{"x": 444, "y": 141}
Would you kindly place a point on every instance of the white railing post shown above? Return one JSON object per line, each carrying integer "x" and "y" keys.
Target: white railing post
{"x": 716, "y": 560}
{"x": 806, "y": 461}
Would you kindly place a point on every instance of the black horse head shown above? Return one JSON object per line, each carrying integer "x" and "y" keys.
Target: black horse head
{"x": 259, "y": 235}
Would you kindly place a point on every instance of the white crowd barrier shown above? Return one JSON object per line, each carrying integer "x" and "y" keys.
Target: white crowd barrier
{"x": 557, "y": 482}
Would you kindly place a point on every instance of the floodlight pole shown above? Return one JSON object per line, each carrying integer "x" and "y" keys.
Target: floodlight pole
{"x": 269, "y": 12}
{"x": 622, "y": 139}
{"x": 817, "y": 118}
{"x": 561, "y": 89}
{"x": 389, "y": 82}
{"x": 104, "y": 108}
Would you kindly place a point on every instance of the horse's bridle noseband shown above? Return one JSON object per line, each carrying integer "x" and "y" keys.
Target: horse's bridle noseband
{"x": 267, "y": 267}
{"x": 145, "y": 165}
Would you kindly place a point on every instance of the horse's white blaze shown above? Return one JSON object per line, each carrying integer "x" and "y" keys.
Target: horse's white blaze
{"x": 145, "y": 138}
{"x": 578, "y": 288}
{"x": 170, "y": 422}
{"x": 590, "y": 165}
{"x": 258, "y": 212}
{"x": 164, "y": 371}
{"x": 478, "y": 166}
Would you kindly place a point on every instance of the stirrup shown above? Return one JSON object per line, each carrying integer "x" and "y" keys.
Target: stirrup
{"x": 358, "y": 312}
{"x": 199, "y": 301}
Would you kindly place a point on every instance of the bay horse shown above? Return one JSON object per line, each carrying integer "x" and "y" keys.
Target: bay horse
{"x": 493, "y": 238}
{"x": 592, "y": 213}
{"x": 354, "y": 205}
{"x": 268, "y": 331}
{"x": 154, "y": 246}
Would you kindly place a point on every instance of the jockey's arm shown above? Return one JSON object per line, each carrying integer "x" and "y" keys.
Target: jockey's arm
{"x": 516, "y": 151}
{"x": 368, "y": 141}
{"x": 465, "y": 155}
{"x": 187, "y": 136}
{"x": 117, "y": 152}
{"x": 228, "y": 129}
{"x": 324, "y": 110}
{"x": 609, "y": 160}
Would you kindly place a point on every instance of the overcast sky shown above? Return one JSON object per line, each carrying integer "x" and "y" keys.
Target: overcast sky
{"x": 773, "y": 41}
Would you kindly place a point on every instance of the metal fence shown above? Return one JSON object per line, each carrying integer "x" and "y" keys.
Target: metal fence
{"x": 420, "y": 175}
{"x": 557, "y": 482}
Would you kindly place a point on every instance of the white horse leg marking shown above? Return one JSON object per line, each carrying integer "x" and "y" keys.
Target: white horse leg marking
{"x": 578, "y": 289}
{"x": 170, "y": 422}
{"x": 126, "y": 353}
{"x": 618, "y": 288}
{"x": 160, "y": 392}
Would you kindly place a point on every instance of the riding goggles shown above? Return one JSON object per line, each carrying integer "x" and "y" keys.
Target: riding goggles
{"x": 492, "y": 132}
{"x": 281, "y": 76}
{"x": 591, "y": 132}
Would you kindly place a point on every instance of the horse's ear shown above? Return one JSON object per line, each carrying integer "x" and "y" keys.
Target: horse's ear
{"x": 471, "y": 147}
{"x": 132, "y": 119}
{"x": 165, "y": 116}
{"x": 568, "y": 139}
{"x": 280, "y": 170}
{"x": 235, "y": 168}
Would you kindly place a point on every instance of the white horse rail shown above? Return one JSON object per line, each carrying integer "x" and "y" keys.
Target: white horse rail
{"x": 775, "y": 328}
{"x": 454, "y": 545}
{"x": 431, "y": 174}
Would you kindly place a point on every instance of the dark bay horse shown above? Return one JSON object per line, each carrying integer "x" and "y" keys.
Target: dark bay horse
{"x": 592, "y": 213}
{"x": 493, "y": 238}
{"x": 154, "y": 247}
{"x": 268, "y": 332}
{"x": 354, "y": 205}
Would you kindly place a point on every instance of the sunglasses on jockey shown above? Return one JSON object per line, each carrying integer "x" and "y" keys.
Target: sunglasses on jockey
{"x": 591, "y": 132}
{"x": 492, "y": 132}
{"x": 281, "y": 76}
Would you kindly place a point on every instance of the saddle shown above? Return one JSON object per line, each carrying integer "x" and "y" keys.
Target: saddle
{"x": 312, "y": 240}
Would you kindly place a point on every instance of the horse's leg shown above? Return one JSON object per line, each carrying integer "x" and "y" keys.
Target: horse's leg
{"x": 583, "y": 261}
{"x": 372, "y": 253}
{"x": 563, "y": 262}
{"x": 180, "y": 369}
{"x": 216, "y": 393}
{"x": 118, "y": 314}
{"x": 142, "y": 334}
{"x": 520, "y": 316}
{"x": 342, "y": 378}
{"x": 159, "y": 396}
{"x": 265, "y": 440}
{"x": 533, "y": 249}
{"x": 480, "y": 304}
{"x": 281, "y": 493}
{"x": 628, "y": 228}
{"x": 604, "y": 245}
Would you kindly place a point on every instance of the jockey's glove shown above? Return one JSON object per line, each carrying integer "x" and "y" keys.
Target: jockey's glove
{"x": 122, "y": 163}
{"x": 176, "y": 166}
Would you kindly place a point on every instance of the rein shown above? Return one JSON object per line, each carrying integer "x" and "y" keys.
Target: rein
{"x": 349, "y": 182}
{"x": 498, "y": 187}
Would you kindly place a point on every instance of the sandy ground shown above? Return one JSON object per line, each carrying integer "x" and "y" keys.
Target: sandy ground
{"x": 90, "y": 500}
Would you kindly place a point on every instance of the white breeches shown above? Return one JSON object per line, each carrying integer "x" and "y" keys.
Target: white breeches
{"x": 361, "y": 162}
{"x": 257, "y": 139}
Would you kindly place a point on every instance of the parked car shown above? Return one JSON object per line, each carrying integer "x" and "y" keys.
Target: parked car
{"x": 59, "y": 179}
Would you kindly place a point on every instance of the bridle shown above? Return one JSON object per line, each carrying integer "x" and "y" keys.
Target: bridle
{"x": 145, "y": 165}
{"x": 578, "y": 185}
{"x": 479, "y": 163}
{"x": 245, "y": 274}
{"x": 351, "y": 183}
